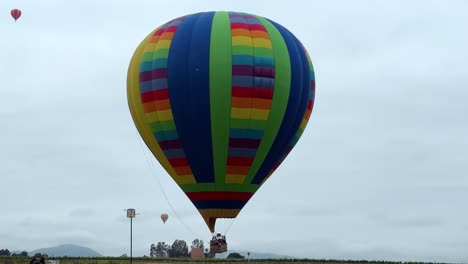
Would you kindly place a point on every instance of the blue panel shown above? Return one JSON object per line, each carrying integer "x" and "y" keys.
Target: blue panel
{"x": 246, "y": 133}
{"x": 189, "y": 94}
{"x": 165, "y": 135}
{"x": 264, "y": 61}
{"x": 242, "y": 81}
{"x": 219, "y": 204}
{"x": 154, "y": 64}
{"x": 264, "y": 82}
{"x": 174, "y": 153}
{"x": 242, "y": 152}
{"x": 153, "y": 85}
{"x": 297, "y": 103}
{"x": 242, "y": 60}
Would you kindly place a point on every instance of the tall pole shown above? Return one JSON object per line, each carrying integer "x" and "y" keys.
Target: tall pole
{"x": 131, "y": 214}
{"x": 131, "y": 239}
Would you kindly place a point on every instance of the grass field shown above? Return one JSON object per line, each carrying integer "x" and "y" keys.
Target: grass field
{"x": 148, "y": 260}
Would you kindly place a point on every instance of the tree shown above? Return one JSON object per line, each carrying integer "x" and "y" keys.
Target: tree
{"x": 235, "y": 255}
{"x": 5, "y": 252}
{"x": 179, "y": 249}
{"x": 152, "y": 250}
{"x": 160, "y": 250}
{"x": 23, "y": 254}
{"x": 207, "y": 253}
{"x": 197, "y": 243}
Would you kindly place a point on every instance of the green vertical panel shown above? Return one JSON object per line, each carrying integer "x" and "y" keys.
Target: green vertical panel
{"x": 280, "y": 96}
{"x": 220, "y": 91}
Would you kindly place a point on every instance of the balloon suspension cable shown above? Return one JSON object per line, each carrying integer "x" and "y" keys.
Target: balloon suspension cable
{"x": 229, "y": 227}
{"x": 152, "y": 168}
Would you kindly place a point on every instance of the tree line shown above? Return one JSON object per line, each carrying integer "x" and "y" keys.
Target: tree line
{"x": 6, "y": 252}
{"x": 178, "y": 249}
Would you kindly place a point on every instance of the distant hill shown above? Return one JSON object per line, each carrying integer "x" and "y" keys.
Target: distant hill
{"x": 69, "y": 250}
{"x": 254, "y": 255}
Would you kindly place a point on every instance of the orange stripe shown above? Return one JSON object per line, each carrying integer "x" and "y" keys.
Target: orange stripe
{"x": 154, "y": 39}
{"x": 238, "y": 170}
{"x": 183, "y": 171}
{"x": 167, "y": 36}
{"x": 258, "y": 103}
{"x": 259, "y": 34}
{"x": 240, "y": 32}
{"x": 156, "y": 106}
{"x": 307, "y": 114}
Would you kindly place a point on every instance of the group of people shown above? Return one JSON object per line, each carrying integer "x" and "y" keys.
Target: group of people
{"x": 218, "y": 241}
{"x": 218, "y": 244}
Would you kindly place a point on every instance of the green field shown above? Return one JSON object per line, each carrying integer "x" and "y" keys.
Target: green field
{"x": 148, "y": 260}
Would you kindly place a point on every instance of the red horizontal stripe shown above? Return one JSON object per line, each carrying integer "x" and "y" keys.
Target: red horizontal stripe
{"x": 158, "y": 32}
{"x": 171, "y": 29}
{"x": 252, "y": 92}
{"x": 245, "y": 92}
{"x": 179, "y": 162}
{"x": 226, "y": 196}
{"x": 256, "y": 27}
{"x": 239, "y": 161}
{"x": 264, "y": 93}
{"x": 237, "y": 25}
{"x": 150, "y": 96}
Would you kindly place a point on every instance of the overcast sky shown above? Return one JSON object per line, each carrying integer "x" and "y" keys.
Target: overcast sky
{"x": 380, "y": 172}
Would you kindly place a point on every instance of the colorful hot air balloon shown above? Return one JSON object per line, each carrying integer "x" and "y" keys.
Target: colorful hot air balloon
{"x": 220, "y": 98}
{"x": 164, "y": 217}
{"x": 15, "y": 13}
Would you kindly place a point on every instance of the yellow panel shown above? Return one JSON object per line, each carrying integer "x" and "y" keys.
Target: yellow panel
{"x": 234, "y": 178}
{"x": 185, "y": 179}
{"x": 240, "y": 113}
{"x": 242, "y": 41}
{"x": 260, "y": 114}
{"x": 249, "y": 113}
{"x": 262, "y": 43}
{"x": 163, "y": 44}
{"x": 155, "y": 116}
{"x": 303, "y": 123}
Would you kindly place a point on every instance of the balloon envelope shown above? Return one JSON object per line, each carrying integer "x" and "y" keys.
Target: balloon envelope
{"x": 220, "y": 98}
{"x": 15, "y": 13}
{"x": 164, "y": 217}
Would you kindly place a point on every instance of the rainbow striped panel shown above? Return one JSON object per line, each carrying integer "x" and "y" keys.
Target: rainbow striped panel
{"x": 154, "y": 94}
{"x": 252, "y": 92}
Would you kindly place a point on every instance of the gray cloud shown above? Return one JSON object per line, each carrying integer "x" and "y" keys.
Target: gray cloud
{"x": 379, "y": 172}
{"x": 82, "y": 212}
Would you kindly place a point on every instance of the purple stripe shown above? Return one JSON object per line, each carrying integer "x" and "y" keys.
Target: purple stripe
{"x": 244, "y": 143}
{"x": 257, "y": 71}
{"x": 170, "y": 144}
{"x": 153, "y": 74}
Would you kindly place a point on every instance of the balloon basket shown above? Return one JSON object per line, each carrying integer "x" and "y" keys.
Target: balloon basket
{"x": 218, "y": 244}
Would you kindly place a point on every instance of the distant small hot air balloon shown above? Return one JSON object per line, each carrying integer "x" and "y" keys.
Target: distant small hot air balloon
{"x": 164, "y": 217}
{"x": 16, "y": 13}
